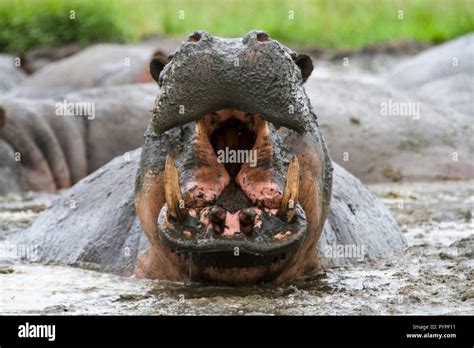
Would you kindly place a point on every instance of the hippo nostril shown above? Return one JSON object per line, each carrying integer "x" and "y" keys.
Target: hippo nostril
{"x": 263, "y": 37}
{"x": 246, "y": 218}
{"x": 217, "y": 218}
{"x": 194, "y": 37}
{"x": 217, "y": 215}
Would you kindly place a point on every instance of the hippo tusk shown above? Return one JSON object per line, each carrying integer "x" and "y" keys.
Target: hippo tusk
{"x": 174, "y": 199}
{"x": 290, "y": 194}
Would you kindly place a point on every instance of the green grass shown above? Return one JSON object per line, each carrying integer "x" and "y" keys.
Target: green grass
{"x": 325, "y": 23}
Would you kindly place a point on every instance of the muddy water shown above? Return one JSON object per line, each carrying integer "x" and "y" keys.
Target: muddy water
{"x": 434, "y": 276}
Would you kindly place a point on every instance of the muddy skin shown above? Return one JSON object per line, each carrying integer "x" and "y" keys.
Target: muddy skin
{"x": 232, "y": 223}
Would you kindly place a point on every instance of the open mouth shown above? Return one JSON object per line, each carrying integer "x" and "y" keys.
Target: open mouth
{"x": 234, "y": 209}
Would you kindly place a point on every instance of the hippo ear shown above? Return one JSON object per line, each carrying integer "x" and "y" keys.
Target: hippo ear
{"x": 157, "y": 64}
{"x": 305, "y": 64}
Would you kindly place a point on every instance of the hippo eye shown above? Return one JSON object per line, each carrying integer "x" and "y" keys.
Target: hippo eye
{"x": 263, "y": 37}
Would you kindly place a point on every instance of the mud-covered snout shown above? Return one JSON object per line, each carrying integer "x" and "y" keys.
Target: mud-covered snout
{"x": 211, "y": 73}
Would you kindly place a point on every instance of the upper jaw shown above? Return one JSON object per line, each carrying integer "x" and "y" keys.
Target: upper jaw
{"x": 214, "y": 73}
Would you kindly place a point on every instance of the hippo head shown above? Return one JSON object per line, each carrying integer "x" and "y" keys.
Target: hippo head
{"x": 235, "y": 178}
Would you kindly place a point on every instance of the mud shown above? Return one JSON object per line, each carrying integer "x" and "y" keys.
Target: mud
{"x": 434, "y": 276}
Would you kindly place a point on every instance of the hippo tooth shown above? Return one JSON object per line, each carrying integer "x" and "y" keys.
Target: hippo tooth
{"x": 290, "y": 194}
{"x": 174, "y": 199}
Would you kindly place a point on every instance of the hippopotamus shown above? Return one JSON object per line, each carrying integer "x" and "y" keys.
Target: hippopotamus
{"x": 213, "y": 219}
{"x": 95, "y": 66}
{"x": 380, "y": 133}
{"x": 240, "y": 95}
{"x": 11, "y": 75}
{"x": 49, "y": 149}
{"x": 442, "y": 74}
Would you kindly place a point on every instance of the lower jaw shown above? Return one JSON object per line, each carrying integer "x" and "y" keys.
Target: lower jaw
{"x": 210, "y": 271}
{"x": 242, "y": 276}
{"x": 160, "y": 263}
{"x": 238, "y": 275}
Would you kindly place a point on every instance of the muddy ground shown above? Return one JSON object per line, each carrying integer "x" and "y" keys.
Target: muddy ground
{"x": 435, "y": 275}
